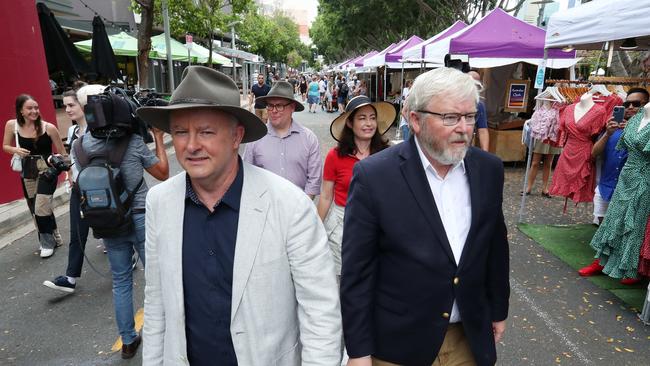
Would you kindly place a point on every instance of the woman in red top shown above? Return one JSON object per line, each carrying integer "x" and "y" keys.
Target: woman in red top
{"x": 359, "y": 133}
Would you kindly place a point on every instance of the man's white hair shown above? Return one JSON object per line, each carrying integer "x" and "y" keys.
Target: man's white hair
{"x": 85, "y": 91}
{"x": 444, "y": 82}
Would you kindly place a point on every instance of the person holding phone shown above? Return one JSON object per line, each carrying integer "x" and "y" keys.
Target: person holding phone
{"x": 611, "y": 162}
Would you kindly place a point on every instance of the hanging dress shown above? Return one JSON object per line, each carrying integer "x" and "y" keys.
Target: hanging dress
{"x": 544, "y": 125}
{"x": 574, "y": 176}
{"x": 618, "y": 239}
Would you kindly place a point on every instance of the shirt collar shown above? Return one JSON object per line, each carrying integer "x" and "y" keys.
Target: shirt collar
{"x": 231, "y": 198}
{"x": 426, "y": 163}
{"x": 294, "y": 128}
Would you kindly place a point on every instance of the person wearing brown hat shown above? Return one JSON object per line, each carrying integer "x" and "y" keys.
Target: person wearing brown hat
{"x": 288, "y": 149}
{"x": 227, "y": 242}
{"x": 359, "y": 132}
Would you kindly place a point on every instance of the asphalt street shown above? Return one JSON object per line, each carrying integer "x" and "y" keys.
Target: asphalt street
{"x": 556, "y": 317}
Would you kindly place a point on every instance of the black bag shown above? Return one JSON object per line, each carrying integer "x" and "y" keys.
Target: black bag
{"x": 105, "y": 202}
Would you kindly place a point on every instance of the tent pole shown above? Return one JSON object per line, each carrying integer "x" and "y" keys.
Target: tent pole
{"x": 530, "y": 156}
{"x": 385, "y": 80}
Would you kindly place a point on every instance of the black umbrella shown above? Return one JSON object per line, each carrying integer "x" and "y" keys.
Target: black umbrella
{"x": 60, "y": 53}
{"x": 102, "y": 57}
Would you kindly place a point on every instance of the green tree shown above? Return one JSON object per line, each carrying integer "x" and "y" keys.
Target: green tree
{"x": 273, "y": 38}
{"x": 294, "y": 59}
{"x": 146, "y": 10}
{"x": 346, "y": 28}
{"x": 201, "y": 18}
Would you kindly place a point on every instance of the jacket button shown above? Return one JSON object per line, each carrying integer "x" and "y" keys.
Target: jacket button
{"x": 456, "y": 280}
{"x": 445, "y": 315}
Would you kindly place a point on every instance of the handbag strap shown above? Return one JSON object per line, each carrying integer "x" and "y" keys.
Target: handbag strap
{"x": 16, "y": 133}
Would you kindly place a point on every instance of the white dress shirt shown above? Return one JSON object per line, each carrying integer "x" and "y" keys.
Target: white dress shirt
{"x": 453, "y": 202}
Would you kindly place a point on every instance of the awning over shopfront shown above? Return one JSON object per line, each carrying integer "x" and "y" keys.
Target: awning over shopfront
{"x": 122, "y": 44}
{"x": 594, "y": 23}
{"x": 246, "y": 56}
{"x": 498, "y": 39}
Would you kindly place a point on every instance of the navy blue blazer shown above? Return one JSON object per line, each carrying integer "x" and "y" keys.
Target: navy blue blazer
{"x": 399, "y": 276}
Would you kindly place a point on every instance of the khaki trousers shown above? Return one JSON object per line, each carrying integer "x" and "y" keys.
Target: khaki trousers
{"x": 455, "y": 350}
{"x": 262, "y": 114}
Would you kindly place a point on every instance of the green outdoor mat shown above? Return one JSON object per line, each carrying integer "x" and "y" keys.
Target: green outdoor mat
{"x": 570, "y": 243}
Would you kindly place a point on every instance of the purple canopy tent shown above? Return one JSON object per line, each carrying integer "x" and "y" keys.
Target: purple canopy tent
{"x": 498, "y": 39}
{"x": 359, "y": 62}
{"x": 395, "y": 54}
{"x": 416, "y": 53}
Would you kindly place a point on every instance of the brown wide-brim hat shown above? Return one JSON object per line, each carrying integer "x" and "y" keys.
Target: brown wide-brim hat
{"x": 385, "y": 115}
{"x": 203, "y": 87}
{"x": 284, "y": 90}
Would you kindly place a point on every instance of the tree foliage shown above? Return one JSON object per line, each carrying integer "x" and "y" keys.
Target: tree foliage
{"x": 345, "y": 28}
{"x": 273, "y": 38}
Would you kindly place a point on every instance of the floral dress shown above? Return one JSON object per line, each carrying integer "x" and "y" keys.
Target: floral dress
{"x": 574, "y": 176}
{"x": 618, "y": 239}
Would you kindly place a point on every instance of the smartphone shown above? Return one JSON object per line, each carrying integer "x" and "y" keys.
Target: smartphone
{"x": 619, "y": 113}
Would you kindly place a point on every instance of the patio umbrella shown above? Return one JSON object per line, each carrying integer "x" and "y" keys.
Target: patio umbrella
{"x": 102, "y": 57}
{"x": 122, "y": 44}
{"x": 60, "y": 53}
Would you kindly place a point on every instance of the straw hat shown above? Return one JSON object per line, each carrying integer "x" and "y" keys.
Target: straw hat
{"x": 385, "y": 115}
{"x": 284, "y": 90}
{"x": 203, "y": 87}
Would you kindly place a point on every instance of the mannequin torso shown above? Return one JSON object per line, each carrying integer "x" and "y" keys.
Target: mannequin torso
{"x": 585, "y": 104}
{"x": 646, "y": 117}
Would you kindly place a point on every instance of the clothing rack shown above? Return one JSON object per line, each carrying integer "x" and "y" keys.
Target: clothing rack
{"x": 618, "y": 81}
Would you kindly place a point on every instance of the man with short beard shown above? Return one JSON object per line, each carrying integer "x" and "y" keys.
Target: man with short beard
{"x": 425, "y": 274}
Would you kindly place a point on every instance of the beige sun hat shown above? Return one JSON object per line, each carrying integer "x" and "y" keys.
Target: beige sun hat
{"x": 203, "y": 87}
{"x": 385, "y": 115}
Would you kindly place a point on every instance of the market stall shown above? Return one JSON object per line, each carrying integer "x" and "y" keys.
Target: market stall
{"x": 585, "y": 27}
{"x": 506, "y": 51}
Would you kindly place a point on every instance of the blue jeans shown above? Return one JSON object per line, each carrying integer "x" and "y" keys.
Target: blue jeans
{"x": 120, "y": 252}
{"x": 406, "y": 132}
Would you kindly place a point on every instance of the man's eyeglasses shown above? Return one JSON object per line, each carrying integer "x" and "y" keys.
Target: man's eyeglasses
{"x": 277, "y": 107}
{"x": 635, "y": 104}
{"x": 452, "y": 119}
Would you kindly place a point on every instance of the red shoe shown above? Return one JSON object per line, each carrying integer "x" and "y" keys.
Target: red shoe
{"x": 630, "y": 281}
{"x": 591, "y": 270}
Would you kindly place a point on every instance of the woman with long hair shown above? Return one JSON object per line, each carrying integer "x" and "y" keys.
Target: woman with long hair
{"x": 303, "y": 88}
{"x": 359, "y": 133}
{"x": 35, "y": 139}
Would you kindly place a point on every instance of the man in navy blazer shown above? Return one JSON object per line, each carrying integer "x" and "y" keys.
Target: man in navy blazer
{"x": 425, "y": 250}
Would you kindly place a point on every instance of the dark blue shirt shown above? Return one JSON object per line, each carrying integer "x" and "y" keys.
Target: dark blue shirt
{"x": 260, "y": 91}
{"x": 208, "y": 255}
{"x": 481, "y": 116}
{"x": 613, "y": 161}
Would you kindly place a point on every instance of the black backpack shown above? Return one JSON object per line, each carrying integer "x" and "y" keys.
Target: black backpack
{"x": 105, "y": 202}
{"x": 344, "y": 89}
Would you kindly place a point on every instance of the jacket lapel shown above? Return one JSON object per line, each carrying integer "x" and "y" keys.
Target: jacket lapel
{"x": 416, "y": 179}
{"x": 173, "y": 251}
{"x": 473, "y": 176}
{"x": 252, "y": 219}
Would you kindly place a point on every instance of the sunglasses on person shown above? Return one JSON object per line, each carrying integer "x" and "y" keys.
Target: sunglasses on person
{"x": 635, "y": 104}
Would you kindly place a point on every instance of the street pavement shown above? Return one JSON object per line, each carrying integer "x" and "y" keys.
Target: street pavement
{"x": 556, "y": 317}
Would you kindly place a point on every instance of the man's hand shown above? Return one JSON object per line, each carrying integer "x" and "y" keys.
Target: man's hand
{"x": 611, "y": 126}
{"x": 498, "y": 328}
{"x": 157, "y": 133}
{"x": 363, "y": 361}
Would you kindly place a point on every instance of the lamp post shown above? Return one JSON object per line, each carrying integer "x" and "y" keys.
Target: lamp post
{"x": 170, "y": 66}
{"x": 231, "y": 25}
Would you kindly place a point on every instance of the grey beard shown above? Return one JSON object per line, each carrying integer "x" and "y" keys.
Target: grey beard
{"x": 444, "y": 157}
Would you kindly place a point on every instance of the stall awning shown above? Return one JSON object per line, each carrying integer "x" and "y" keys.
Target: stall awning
{"x": 416, "y": 53}
{"x": 229, "y": 52}
{"x": 592, "y": 24}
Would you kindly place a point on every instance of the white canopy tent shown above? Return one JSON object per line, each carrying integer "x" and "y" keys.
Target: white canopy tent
{"x": 216, "y": 58}
{"x": 592, "y": 24}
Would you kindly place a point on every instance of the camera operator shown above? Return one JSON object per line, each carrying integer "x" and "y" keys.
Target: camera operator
{"x": 107, "y": 131}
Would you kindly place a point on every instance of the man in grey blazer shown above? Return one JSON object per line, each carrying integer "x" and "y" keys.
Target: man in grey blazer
{"x": 238, "y": 269}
